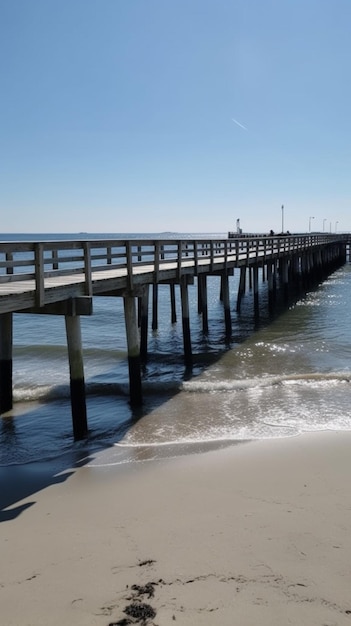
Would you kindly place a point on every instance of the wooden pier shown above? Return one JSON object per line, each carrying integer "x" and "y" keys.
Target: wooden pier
{"x": 63, "y": 278}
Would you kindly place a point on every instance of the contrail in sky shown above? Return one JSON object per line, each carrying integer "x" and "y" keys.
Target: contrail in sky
{"x": 238, "y": 123}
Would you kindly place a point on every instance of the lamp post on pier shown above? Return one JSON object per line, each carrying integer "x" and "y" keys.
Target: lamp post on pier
{"x": 282, "y": 218}
{"x": 324, "y": 221}
{"x": 309, "y": 223}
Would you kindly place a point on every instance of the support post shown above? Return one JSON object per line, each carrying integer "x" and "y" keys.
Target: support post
{"x": 226, "y": 304}
{"x": 76, "y": 368}
{"x": 255, "y": 288}
{"x": 285, "y": 279}
{"x": 203, "y": 306}
{"x": 173, "y": 304}
{"x": 271, "y": 293}
{"x": 188, "y": 357}
{"x": 154, "y": 324}
{"x": 250, "y": 278}
{"x": 199, "y": 293}
{"x": 144, "y": 317}
{"x": 241, "y": 290}
{"x": 134, "y": 362}
{"x": 6, "y": 340}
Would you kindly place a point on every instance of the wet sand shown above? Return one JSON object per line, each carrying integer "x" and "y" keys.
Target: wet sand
{"x": 257, "y": 533}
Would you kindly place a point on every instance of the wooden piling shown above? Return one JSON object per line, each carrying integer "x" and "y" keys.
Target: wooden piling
{"x": 255, "y": 289}
{"x": 154, "y": 324}
{"x": 76, "y": 368}
{"x": 202, "y": 303}
{"x": 226, "y": 304}
{"x": 199, "y": 293}
{"x": 6, "y": 341}
{"x": 270, "y": 287}
{"x": 285, "y": 278}
{"x": 144, "y": 322}
{"x": 241, "y": 289}
{"x": 173, "y": 303}
{"x": 134, "y": 361}
{"x": 188, "y": 357}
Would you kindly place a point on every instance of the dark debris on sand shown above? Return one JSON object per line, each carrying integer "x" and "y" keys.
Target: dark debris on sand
{"x": 138, "y": 612}
{"x": 145, "y": 590}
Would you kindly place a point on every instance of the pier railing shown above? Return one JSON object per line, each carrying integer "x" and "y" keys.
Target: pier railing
{"x": 38, "y": 261}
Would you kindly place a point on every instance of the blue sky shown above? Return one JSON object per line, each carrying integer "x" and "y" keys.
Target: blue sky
{"x": 174, "y": 115}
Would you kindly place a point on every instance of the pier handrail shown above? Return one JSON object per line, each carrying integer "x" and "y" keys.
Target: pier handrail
{"x": 81, "y": 260}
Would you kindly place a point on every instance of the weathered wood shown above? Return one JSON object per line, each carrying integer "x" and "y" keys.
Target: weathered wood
{"x": 250, "y": 277}
{"x": 255, "y": 290}
{"x": 271, "y": 291}
{"x": 173, "y": 303}
{"x": 285, "y": 278}
{"x": 203, "y": 302}
{"x": 77, "y": 384}
{"x": 154, "y": 324}
{"x": 144, "y": 321}
{"x": 188, "y": 357}
{"x": 241, "y": 289}
{"x": 134, "y": 361}
{"x": 226, "y": 305}
{"x": 39, "y": 275}
{"x": 82, "y": 305}
{"x": 88, "y": 269}
{"x": 6, "y": 340}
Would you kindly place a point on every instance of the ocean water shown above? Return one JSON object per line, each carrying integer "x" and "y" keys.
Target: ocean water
{"x": 279, "y": 378}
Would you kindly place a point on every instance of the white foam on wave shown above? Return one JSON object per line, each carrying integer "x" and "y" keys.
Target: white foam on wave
{"x": 269, "y": 381}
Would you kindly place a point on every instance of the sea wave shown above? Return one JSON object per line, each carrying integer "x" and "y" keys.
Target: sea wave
{"x": 266, "y": 381}
{"x": 23, "y": 393}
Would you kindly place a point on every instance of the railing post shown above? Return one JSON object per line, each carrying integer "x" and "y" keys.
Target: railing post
{"x": 195, "y": 251}
{"x": 129, "y": 265}
{"x": 179, "y": 260}
{"x": 39, "y": 274}
{"x": 54, "y": 256}
{"x": 237, "y": 250}
{"x": 87, "y": 269}
{"x": 156, "y": 260}
{"x": 212, "y": 255}
{"x": 225, "y": 254}
{"x": 9, "y": 259}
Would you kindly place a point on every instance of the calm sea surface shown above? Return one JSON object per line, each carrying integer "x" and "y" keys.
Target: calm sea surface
{"x": 289, "y": 375}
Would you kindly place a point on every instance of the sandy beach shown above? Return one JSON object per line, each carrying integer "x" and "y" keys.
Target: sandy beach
{"x": 257, "y": 533}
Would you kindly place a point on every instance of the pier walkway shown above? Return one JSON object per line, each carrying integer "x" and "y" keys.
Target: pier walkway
{"x": 62, "y": 277}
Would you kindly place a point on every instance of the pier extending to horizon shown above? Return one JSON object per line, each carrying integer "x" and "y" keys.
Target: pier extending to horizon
{"x": 63, "y": 278}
